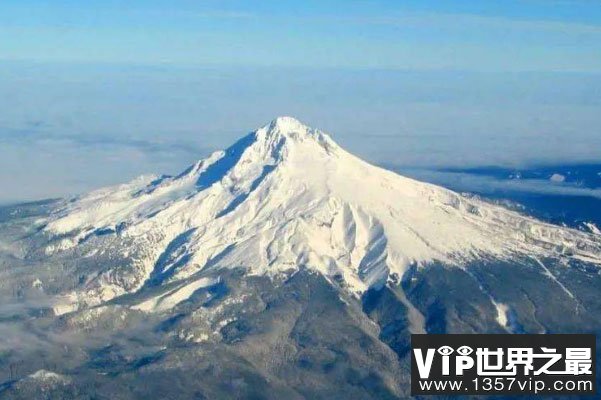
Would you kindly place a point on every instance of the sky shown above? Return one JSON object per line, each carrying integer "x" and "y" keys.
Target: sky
{"x": 94, "y": 93}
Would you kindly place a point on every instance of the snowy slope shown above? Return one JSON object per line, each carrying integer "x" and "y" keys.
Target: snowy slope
{"x": 288, "y": 196}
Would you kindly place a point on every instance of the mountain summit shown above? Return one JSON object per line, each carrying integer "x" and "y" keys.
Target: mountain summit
{"x": 287, "y": 197}
{"x": 289, "y": 126}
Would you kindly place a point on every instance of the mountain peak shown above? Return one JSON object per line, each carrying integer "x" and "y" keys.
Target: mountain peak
{"x": 288, "y": 127}
{"x": 286, "y": 124}
{"x": 285, "y": 131}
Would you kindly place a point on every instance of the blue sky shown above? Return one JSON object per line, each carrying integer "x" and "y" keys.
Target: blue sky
{"x": 550, "y": 35}
{"x": 97, "y": 92}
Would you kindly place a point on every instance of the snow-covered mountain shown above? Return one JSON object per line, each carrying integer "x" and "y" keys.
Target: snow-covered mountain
{"x": 281, "y": 267}
{"x": 287, "y": 196}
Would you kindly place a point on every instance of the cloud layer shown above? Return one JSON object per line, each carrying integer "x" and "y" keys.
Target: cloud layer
{"x": 70, "y": 128}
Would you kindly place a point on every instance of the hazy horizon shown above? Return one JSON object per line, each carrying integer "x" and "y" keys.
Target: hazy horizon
{"x": 97, "y": 93}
